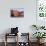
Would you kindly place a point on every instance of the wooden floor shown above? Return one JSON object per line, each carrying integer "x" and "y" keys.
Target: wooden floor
{"x": 13, "y": 44}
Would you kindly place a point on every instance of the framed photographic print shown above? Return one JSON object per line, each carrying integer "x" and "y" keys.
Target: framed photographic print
{"x": 41, "y": 12}
{"x": 17, "y": 12}
{"x": 41, "y": 8}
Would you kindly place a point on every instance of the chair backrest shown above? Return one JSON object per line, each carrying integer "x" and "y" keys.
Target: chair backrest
{"x": 14, "y": 30}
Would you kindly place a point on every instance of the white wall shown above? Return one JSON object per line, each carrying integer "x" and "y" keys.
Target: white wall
{"x": 24, "y": 24}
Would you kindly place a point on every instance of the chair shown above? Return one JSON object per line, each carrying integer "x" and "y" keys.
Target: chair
{"x": 14, "y": 32}
{"x": 8, "y": 36}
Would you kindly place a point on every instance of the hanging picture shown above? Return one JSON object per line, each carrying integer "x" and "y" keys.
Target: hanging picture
{"x": 41, "y": 8}
{"x": 41, "y": 12}
{"x": 17, "y": 12}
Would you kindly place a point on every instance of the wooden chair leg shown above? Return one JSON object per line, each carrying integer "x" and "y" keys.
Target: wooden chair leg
{"x": 17, "y": 39}
{"x": 5, "y": 43}
{"x": 5, "y": 39}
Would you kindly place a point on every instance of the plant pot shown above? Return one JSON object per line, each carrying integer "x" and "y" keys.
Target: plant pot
{"x": 40, "y": 41}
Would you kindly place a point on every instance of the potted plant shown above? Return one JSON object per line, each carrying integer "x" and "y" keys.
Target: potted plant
{"x": 42, "y": 27}
{"x": 38, "y": 27}
{"x": 39, "y": 35}
{"x": 35, "y": 26}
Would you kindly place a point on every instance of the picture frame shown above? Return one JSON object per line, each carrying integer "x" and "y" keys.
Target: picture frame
{"x": 17, "y": 12}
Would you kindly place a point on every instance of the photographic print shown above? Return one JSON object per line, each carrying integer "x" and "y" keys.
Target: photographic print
{"x": 17, "y": 12}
